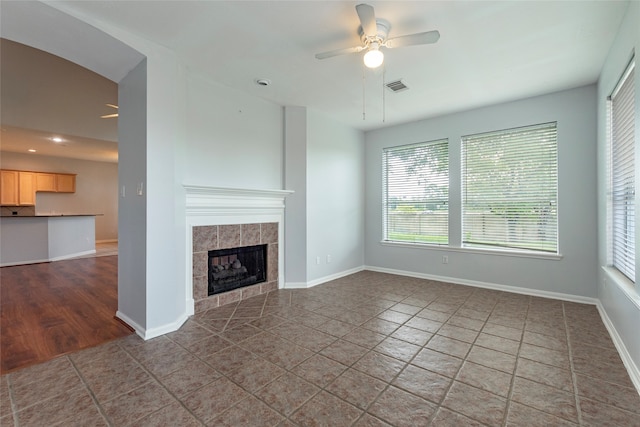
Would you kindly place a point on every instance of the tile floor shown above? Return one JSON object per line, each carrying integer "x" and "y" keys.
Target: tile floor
{"x": 370, "y": 349}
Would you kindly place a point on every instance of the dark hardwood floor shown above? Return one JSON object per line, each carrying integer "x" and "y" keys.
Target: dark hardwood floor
{"x": 51, "y": 309}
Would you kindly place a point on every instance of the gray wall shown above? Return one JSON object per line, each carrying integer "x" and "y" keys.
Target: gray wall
{"x": 619, "y": 297}
{"x": 96, "y": 189}
{"x": 335, "y": 197}
{"x": 295, "y": 179}
{"x": 575, "y": 272}
{"x": 132, "y": 208}
{"x": 324, "y": 218}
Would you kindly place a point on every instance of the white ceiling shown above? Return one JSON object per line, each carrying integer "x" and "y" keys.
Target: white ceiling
{"x": 46, "y": 97}
{"x": 488, "y": 52}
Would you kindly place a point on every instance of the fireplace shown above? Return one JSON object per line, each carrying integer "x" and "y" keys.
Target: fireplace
{"x": 235, "y": 268}
{"x": 220, "y": 245}
{"x": 227, "y": 218}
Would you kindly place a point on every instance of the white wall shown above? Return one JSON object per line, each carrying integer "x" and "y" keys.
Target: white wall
{"x": 96, "y": 189}
{"x": 619, "y": 298}
{"x": 233, "y": 139}
{"x": 335, "y": 197}
{"x": 575, "y": 272}
{"x": 295, "y": 179}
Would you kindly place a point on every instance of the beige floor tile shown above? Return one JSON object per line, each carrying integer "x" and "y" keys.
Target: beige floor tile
{"x": 491, "y": 380}
{"x": 319, "y": 370}
{"x": 479, "y": 405}
{"x": 369, "y": 349}
{"x": 249, "y": 412}
{"x": 545, "y": 398}
{"x": 426, "y": 384}
{"x": 356, "y": 388}
{"x": 400, "y": 408}
{"x": 137, "y": 404}
{"x": 380, "y": 366}
{"x": 521, "y": 415}
{"x": 212, "y": 400}
{"x": 287, "y": 393}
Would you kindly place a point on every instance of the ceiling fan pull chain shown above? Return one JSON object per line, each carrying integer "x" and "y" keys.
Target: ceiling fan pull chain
{"x": 384, "y": 104}
{"x": 364, "y": 114}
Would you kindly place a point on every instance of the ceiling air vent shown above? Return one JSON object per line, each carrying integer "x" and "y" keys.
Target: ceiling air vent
{"x": 397, "y": 86}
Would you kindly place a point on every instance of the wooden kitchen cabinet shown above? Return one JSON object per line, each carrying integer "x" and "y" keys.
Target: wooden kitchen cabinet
{"x": 45, "y": 181}
{"x": 55, "y": 182}
{"x": 9, "y": 188}
{"x": 65, "y": 183}
{"x": 18, "y": 188}
{"x": 26, "y": 188}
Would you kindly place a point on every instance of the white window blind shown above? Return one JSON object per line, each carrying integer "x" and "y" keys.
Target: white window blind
{"x": 622, "y": 125}
{"x": 510, "y": 189}
{"x": 416, "y": 193}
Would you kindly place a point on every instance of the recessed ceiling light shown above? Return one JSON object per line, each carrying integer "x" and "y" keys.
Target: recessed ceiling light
{"x": 57, "y": 139}
{"x": 31, "y": 150}
{"x": 263, "y": 82}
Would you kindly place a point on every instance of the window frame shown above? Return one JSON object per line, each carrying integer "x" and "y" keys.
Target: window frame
{"x": 625, "y": 266}
{"x": 501, "y": 241}
{"x": 442, "y": 239}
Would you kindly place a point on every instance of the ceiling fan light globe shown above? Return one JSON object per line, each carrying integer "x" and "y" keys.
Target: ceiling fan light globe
{"x": 373, "y": 58}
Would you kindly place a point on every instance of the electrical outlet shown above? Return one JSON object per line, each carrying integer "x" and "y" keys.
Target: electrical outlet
{"x": 445, "y": 259}
{"x": 328, "y": 259}
{"x": 317, "y": 260}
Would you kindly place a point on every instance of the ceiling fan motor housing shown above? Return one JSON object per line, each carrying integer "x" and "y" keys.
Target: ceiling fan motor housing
{"x": 382, "y": 27}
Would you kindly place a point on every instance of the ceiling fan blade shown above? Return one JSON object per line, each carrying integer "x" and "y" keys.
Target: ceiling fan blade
{"x": 331, "y": 53}
{"x": 413, "y": 39}
{"x": 367, "y": 19}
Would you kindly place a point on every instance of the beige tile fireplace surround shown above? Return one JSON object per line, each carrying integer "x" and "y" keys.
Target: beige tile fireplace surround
{"x": 210, "y": 237}
{"x": 226, "y": 218}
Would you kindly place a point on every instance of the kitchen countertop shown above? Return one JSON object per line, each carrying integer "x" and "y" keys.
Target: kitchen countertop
{"x": 47, "y": 215}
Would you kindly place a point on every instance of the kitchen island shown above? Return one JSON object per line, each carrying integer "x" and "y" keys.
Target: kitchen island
{"x": 44, "y": 238}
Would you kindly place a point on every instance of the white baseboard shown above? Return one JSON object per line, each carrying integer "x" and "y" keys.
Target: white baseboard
{"x": 147, "y": 334}
{"x": 488, "y": 285}
{"x": 325, "y": 279}
{"x": 295, "y": 285}
{"x": 126, "y": 319}
{"x": 31, "y": 261}
{"x": 75, "y": 255}
{"x": 165, "y": 329}
{"x": 627, "y": 360}
{"x": 58, "y": 258}
{"x": 191, "y": 307}
{"x": 632, "y": 368}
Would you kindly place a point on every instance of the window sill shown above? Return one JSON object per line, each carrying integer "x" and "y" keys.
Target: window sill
{"x": 480, "y": 251}
{"x": 623, "y": 283}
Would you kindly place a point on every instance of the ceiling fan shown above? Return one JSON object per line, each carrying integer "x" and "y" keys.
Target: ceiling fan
{"x": 110, "y": 116}
{"x": 373, "y": 34}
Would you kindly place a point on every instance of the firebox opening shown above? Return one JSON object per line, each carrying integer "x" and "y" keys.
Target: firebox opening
{"x": 236, "y": 268}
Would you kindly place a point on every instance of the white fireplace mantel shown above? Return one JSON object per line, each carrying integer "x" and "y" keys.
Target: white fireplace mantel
{"x": 224, "y": 201}
{"x": 222, "y": 206}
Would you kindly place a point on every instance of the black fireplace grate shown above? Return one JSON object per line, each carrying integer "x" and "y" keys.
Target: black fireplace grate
{"x": 235, "y": 268}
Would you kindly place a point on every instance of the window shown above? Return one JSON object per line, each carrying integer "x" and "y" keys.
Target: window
{"x": 510, "y": 189}
{"x": 622, "y": 220}
{"x": 416, "y": 193}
